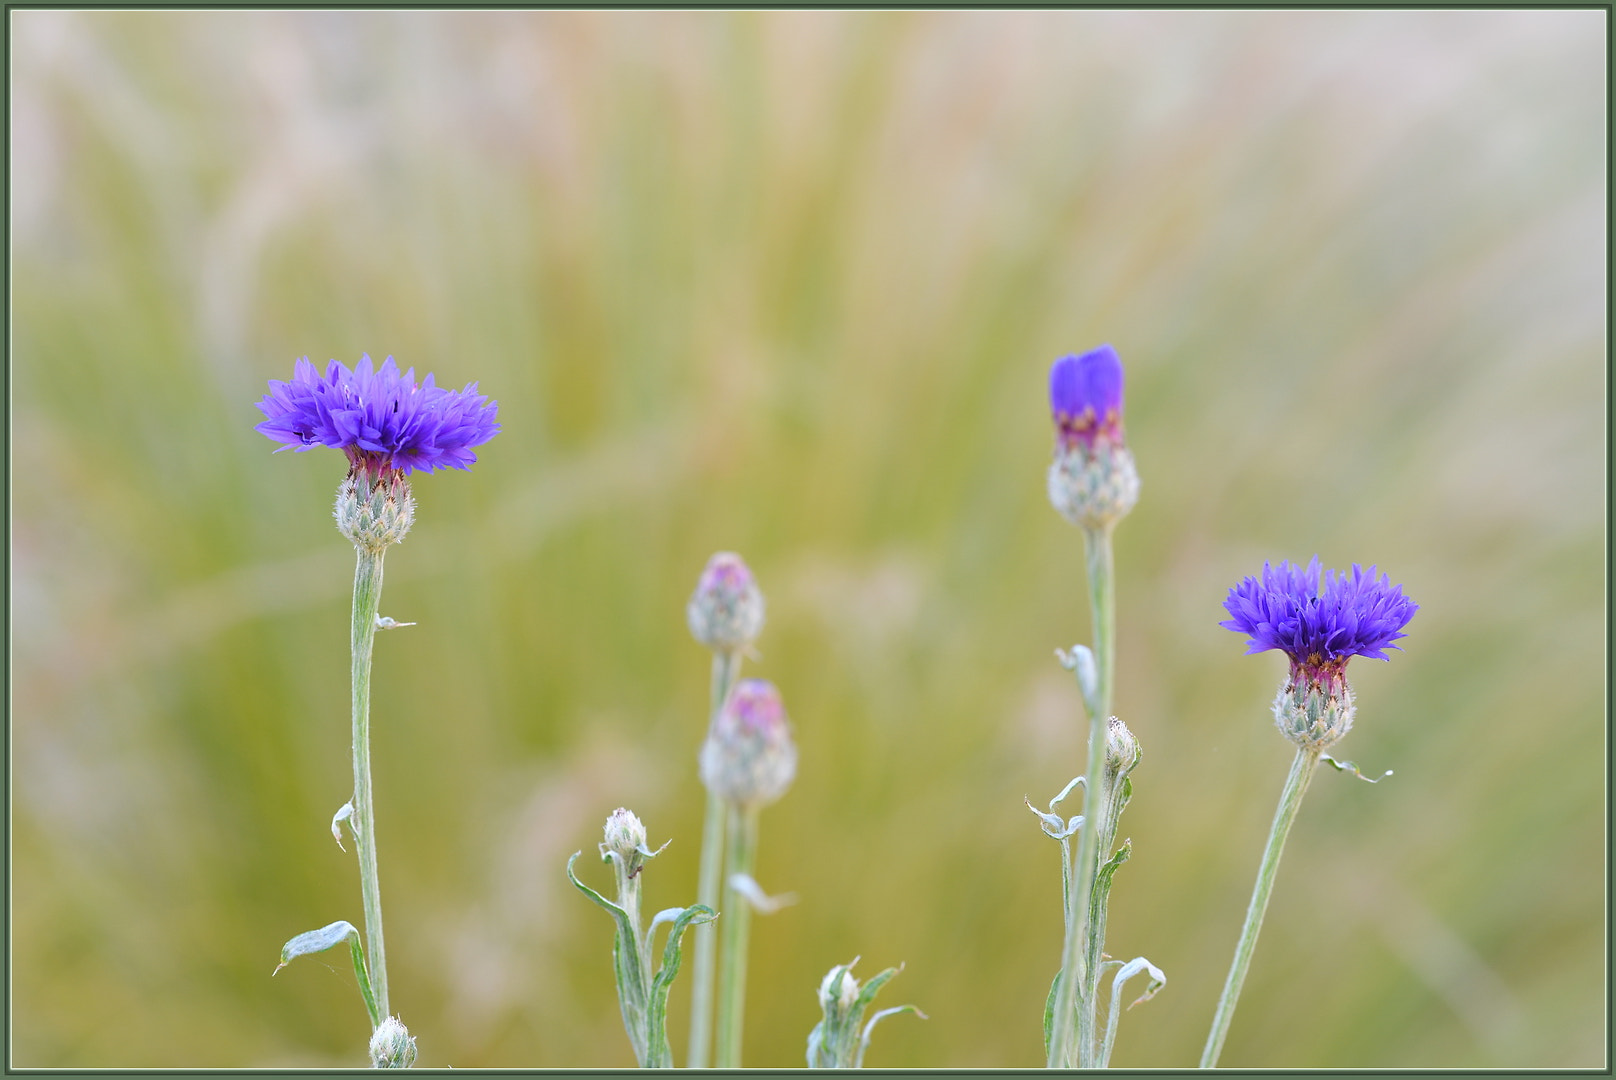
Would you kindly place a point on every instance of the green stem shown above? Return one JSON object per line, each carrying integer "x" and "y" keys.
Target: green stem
{"x": 737, "y": 916}
{"x": 366, "y": 601}
{"x": 1072, "y": 1044}
{"x": 726, "y": 664}
{"x": 1290, "y": 801}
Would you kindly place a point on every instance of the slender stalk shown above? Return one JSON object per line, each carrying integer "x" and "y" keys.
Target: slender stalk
{"x": 1102, "y": 601}
{"x": 366, "y": 600}
{"x": 1290, "y": 801}
{"x": 1072, "y": 1042}
{"x": 726, "y": 664}
{"x": 737, "y": 921}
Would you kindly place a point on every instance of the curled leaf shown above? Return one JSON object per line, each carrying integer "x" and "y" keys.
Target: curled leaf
{"x": 313, "y": 941}
{"x": 345, "y": 814}
{"x": 753, "y": 894}
{"x": 1347, "y": 766}
{"x": 1124, "y": 973}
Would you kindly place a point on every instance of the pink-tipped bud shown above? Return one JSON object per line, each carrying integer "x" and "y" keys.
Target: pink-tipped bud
{"x": 749, "y": 758}
{"x": 726, "y": 610}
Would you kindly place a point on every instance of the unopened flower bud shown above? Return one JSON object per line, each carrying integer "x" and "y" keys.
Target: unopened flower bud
{"x": 749, "y": 758}
{"x": 391, "y": 1046}
{"x": 1122, "y": 749}
{"x": 726, "y": 610}
{"x": 374, "y": 506}
{"x": 1092, "y": 481}
{"x": 844, "y": 994}
{"x": 625, "y": 834}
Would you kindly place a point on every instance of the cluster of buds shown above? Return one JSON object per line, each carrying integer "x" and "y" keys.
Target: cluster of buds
{"x": 749, "y": 758}
{"x": 1092, "y": 481}
{"x": 374, "y": 506}
{"x": 726, "y": 610}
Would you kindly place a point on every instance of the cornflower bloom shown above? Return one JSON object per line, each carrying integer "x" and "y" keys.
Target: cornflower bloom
{"x": 388, "y": 427}
{"x": 1320, "y": 627}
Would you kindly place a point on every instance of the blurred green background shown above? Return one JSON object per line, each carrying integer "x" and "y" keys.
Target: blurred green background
{"x": 789, "y": 283}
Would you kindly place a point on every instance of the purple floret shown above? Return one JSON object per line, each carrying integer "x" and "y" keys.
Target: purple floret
{"x": 1354, "y": 614}
{"x": 1085, "y": 396}
{"x": 380, "y": 418}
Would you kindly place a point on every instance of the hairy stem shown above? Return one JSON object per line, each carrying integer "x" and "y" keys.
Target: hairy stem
{"x": 737, "y": 921}
{"x": 1072, "y": 1042}
{"x": 1290, "y": 801}
{"x": 726, "y": 664}
{"x": 366, "y": 600}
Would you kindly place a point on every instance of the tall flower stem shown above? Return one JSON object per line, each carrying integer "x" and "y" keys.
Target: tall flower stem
{"x": 726, "y": 663}
{"x": 1290, "y": 801}
{"x": 366, "y": 601}
{"x": 736, "y": 917}
{"x": 1072, "y": 1044}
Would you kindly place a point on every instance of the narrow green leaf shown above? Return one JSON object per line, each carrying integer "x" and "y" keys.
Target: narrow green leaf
{"x": 1102, "y": 880}
{"x": 658, "y": 1054}
{"x": 868, "y": 991}
{"x": 625, "y": 966}
{"x": 610, "y": 907}
{"x": 1049, "y": 1012}
{"x": 356, "y": 952}
{"x": 326, "y": 937}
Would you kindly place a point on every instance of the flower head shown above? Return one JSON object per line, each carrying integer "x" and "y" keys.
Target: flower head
{"x": 1320, "y": 627}
{"x": 1092, "y": 481}
{"x": 1351, "y": 615}
{"x": 1085, "y": 396}
{"x": 749, "y": 758}
{"x": 380, "y": 418}
{"x": 726, "y": 610}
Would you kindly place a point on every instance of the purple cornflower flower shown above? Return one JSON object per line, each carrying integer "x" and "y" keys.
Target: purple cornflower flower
{"x": 381, "y": 419}
{"x": 1320, "y": 627}
{"x": 1085, "y": 396}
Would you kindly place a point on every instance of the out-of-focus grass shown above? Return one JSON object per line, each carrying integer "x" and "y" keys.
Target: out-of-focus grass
{"x": 788, "y": 283}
